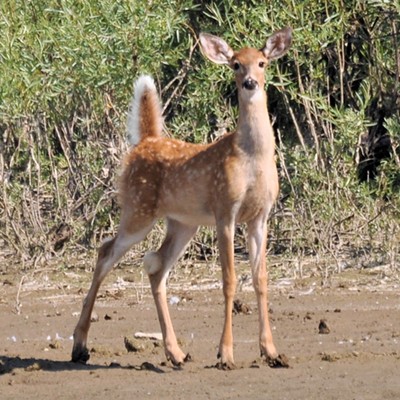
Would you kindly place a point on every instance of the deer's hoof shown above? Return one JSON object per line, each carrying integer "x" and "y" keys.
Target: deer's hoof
{"x": 80, "y": 355}
{"x": 225, "y": 366}
{"x": 278, "y": 362}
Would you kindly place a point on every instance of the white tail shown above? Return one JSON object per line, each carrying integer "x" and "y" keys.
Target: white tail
{"x": 144, "y": 115}
{"x": 229, "y": 181}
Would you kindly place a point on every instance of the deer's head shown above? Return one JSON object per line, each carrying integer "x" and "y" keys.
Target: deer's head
{"x": 248, "y": 64}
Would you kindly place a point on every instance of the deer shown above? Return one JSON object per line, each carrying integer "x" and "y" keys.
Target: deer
{"x": 229, "y": 181}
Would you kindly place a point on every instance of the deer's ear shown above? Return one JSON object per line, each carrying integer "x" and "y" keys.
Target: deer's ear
{"x": 278, "y": 44}
{"x": 215, "y": 48}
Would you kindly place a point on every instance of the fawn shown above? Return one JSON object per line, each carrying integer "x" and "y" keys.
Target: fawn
{"x": 232, "y": 180}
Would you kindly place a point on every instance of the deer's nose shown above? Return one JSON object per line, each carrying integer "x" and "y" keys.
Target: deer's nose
{"x": 250, "y": 84}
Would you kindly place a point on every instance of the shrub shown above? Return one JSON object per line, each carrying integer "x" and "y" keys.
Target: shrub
{"x": 66, "y": 74}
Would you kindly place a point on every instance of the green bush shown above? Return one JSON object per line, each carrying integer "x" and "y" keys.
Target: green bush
{"x": 66, "y": 74}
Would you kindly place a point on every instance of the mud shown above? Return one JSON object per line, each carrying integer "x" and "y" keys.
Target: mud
{"x": 358, "y": 357}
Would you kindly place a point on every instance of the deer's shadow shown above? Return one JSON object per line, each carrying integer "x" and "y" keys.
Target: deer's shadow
{"x": 10, "y": 364}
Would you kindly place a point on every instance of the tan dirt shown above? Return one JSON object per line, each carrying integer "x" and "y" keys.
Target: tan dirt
{"x": 359, "y": 358}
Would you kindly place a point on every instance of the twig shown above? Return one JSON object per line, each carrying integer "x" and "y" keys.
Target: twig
{"x": 283, "y": 163}
{"x": 179, "y": 77}
{"x": 18, "y": 304}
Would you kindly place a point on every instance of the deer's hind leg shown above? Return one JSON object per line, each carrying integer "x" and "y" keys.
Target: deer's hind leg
{"x": 158, "y": 264}
{"x": 110, "y": 252}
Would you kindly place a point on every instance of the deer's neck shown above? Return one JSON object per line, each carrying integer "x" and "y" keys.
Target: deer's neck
{"x": 254, "y": 132}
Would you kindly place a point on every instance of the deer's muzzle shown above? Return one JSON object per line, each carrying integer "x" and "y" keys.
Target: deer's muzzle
{"x": 250, "y": 84}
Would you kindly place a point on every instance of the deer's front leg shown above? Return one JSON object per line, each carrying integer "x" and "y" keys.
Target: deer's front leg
{"x": 257, "y": 244}
{"x": 225, "y": 235}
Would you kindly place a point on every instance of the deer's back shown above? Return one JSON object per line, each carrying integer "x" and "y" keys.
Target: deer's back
{"x": 194, "y": 183}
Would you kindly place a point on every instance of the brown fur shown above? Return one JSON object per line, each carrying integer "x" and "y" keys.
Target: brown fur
{"x": 149, "y": 125}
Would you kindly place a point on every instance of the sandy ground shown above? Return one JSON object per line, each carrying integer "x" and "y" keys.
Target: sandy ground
{"x": 358, "y": 359}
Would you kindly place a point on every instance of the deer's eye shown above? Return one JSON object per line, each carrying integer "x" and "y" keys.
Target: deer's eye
{"x": 261, "y": 64}
{"x": 236, "y": 65}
